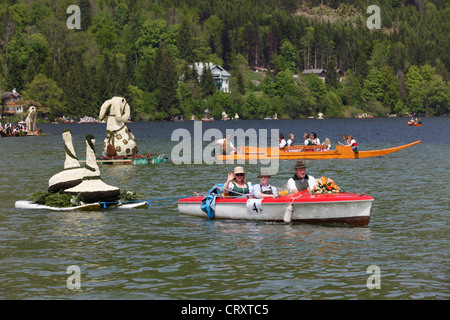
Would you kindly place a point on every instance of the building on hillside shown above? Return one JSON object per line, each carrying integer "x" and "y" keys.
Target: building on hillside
{"x": 11, "y": 103}
{"x": 221, "y": 76}
{"x": 322, "y": 72}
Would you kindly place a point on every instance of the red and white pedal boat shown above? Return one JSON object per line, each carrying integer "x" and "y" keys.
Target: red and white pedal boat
{"x": 336, "y": 208}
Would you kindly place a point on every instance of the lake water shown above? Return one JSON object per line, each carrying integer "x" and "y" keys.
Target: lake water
{"x": 156, "y": 253}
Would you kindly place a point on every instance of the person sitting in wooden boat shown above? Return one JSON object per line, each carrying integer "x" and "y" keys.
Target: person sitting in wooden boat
{"x": 350, "y": 142}
{"x": 290, "y": 141}
{"x": 264, "y": 189}
{"x": 300, "y": 181}
{"x": 326, "y": 145}
{"x": 236, "y": 186}
{"x": 281, "y": 141}
{"x": 226, "y": 145}
{"x": 314, "y": 140}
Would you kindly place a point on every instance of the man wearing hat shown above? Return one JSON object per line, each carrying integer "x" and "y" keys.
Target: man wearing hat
{"x": 264, "y": 189}
{"x": 300, "y": 181}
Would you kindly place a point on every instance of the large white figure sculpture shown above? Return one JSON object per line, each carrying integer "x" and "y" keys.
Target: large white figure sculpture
{"x": 72, "y": 174}
{"x": 31, "y": 119}
{"x": 119, "y": 140}
{"x": 92, "y": 188}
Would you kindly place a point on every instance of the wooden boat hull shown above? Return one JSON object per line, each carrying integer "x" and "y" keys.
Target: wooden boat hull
{"x": 341, "y": 208}
{"x": 21, "y": 134}
{"x": 341, "y": 152}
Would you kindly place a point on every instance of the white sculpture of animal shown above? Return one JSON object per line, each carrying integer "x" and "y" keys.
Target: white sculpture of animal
{"x": 31, "y": 119}
{"x": 119, "y": 140}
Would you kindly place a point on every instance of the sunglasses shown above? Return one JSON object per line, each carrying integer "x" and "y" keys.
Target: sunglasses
{"x": 238, "y": 174}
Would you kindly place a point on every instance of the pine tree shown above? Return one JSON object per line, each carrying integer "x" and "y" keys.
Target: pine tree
{"x": 185, "y": 43}
{"x": 331, "y": 76}
{"x": 207, "y": 82}
{"x": 86, "y": 14}
{"x": 15, "y": 77}
{"x": 167, "y": 85}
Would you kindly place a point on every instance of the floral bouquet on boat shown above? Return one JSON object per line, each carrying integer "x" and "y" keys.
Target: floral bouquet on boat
{"x": 325, "y": 185}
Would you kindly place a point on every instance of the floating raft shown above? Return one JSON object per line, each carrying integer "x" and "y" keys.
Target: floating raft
{"x": 24, "y": 204}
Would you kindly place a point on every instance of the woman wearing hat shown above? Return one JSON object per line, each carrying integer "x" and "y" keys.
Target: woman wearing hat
{"x": 264, "y": 189}
{"x": 236, "y": 185}
{"x": 300, "y": 181}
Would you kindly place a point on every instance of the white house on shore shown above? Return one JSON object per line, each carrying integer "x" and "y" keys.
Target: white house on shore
{"x": 221, "y": 77}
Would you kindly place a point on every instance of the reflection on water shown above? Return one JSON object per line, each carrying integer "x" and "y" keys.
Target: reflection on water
{"x": 156, "y": 253}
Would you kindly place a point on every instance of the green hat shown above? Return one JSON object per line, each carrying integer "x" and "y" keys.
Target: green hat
{"x": 300, "y": 165}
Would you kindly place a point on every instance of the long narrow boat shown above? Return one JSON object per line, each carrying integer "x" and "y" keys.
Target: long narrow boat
{"x": 303, "y": 152}
{"x": 337, "y": 208}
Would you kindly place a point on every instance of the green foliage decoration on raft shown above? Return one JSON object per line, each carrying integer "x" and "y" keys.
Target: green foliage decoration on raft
{"x": 64, "y": 200}
{"x": 56, "y": 199}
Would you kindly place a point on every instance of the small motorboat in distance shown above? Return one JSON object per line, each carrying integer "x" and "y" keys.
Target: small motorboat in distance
{"x": 350, "y": 209}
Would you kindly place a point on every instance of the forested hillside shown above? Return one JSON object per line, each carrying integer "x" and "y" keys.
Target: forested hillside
{"x": 142, "y": 50}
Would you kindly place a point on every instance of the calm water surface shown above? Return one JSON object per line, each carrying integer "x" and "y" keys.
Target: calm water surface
{"x": 156, "y": 253}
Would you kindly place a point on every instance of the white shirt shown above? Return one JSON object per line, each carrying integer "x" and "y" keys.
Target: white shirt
{"x": 282, "y": 143}
{"x": 258, "y": 188}
{"x": 291, "y": 183}
{"x": 221, "y": 141}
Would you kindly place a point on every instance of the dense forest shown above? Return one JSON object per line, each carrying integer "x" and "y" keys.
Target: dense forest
{"x": 143, "y": 50}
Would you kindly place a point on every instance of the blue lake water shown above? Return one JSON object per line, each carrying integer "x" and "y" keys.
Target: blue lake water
{"x": 156, "y": 253}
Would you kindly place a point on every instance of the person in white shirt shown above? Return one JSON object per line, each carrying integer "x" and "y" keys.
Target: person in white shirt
{"x": 282, "y": 142}
{"x": 227, "y": 145}
{"x": 290, "y": 140}
{"x": 264, "y": 189}
{"x": 314, "y": 139}
{"x": 300, "y": 181}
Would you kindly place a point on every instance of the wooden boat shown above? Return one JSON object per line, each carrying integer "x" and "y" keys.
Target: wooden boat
{"x": 24, "y": 204}
{"x": 138, "y": 160}
{"x": 307, "y": 152}
{"x": 20, "y": 134}
{"x": 414, "y": 124}
{"x": 336, "y": 208}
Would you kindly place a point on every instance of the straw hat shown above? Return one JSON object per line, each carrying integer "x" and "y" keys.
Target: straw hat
{"x": 239, "y": 169}
{"x": 264, "y": 172}
{"x": 300, "y": 165}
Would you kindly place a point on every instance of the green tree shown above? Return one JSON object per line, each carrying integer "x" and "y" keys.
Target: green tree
{"x": 46, "y": 92}
{"x": 167, "y": 86}
{"x": 331, "y": 106}
{"x": 15, "y": 76}
{"x": 185, "y": 42}
{"x": 207, "y": 82}
{"x": 287, "y": 60}
{"x": 373, "y": 89}
{"x": 284, "y": 84}
{"x": 331, "y": 77}
{"x": 86, "y": 14}
{"x": 390, "y": 87}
